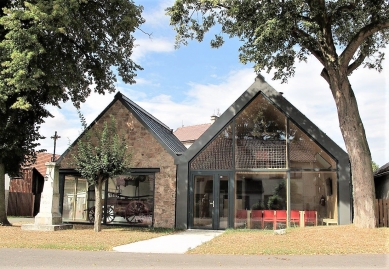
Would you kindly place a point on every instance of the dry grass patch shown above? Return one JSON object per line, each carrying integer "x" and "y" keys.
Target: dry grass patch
{"x": 81, "y": 237}
{"x": 345, "y": 239}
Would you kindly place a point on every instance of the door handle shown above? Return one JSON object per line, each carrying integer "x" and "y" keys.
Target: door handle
{"x": 213, "y": 203}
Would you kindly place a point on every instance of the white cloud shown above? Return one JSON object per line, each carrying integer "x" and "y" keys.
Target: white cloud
{"x": 156, "y": 16}
{"x": 146, "y": 46}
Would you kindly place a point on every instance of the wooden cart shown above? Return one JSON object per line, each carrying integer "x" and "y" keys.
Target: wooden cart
{"x": 132, "y": 208}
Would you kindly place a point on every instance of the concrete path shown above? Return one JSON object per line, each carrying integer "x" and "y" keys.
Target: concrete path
{"x": 178, "y": 243}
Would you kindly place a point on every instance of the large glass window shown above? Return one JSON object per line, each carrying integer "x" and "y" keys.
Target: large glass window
{"x": 75, "y": 199}
{"x": 256, "y": 193}
{"x": 260, "y": 132}
{"x": 314, "y": 192}
{"x": 305, "y": 153}
{"x": 129, "y": 199}
{"x": 217, "y": 155}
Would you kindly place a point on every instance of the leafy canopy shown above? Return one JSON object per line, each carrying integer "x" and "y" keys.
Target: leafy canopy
{"x": 101, "y": 154}
{"x": 345, "y": 33}
{"x": 58, "y": 49}
{"x": 53, "y": 51}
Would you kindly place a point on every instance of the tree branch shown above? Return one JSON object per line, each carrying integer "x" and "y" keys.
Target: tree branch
{"x": 301, "y": 35}
{"x": 358, "y": 39}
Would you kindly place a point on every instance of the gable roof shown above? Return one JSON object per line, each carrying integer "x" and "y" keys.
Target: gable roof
{"x": 260, "y": 86}
{"x": 191, "y": 133}
{"x": 40, "y": 163}
{"x": 159, "y": 130}
{"x": 383, "y": 170}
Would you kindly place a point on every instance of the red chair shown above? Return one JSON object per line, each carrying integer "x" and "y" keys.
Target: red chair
{"x": 310, "y": 216}
{"x": 269, "y": 216}
{"x": 241, "y": 218}
{"x": 280, "y": 217}
{"x": 295, "y": 217}
{"x": 256, "y": 218}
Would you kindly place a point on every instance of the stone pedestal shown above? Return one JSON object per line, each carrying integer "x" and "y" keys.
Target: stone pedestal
{"x": 49, "y": 218}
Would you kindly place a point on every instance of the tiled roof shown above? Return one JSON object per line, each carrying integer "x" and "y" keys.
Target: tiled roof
{"x": 41, "y": 159}
{"x": 164, "y": 133}
{"x": 382, "y": 170}
{"x": 191, "y": 133}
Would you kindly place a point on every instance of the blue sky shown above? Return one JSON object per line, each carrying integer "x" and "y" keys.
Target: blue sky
{"x": 188, "y": 85}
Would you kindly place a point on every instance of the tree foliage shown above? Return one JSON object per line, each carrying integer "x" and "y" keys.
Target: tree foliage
{"x": 277, "y": 33}
{"x": 100, "y": 154}
{"x": 52, "y": 52}
{"x": 342, "y": 35}
{"x": 375, "y": 166}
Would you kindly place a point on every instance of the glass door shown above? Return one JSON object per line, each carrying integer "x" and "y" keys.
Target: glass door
{"x": 210, "y": 201}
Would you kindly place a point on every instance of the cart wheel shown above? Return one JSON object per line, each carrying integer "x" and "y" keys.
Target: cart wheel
{"x": 133, "y": 210}
{"x": 91, "y": 214}
{"x": 110, "y": 214}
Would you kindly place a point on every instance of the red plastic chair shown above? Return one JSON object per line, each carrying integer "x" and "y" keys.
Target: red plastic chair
{"x": 269, "y": 216}
{"x": 295, "y": 217}
{"x": 256, "y": 217}
{"x": 280, "y": 217}
{"x": 310, "y": 216}
{"x": 240, "y": 218}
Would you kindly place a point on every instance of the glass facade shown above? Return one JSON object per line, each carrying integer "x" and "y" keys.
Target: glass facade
{"x": 279, "y": 175}
{"x": 127, "y": 199}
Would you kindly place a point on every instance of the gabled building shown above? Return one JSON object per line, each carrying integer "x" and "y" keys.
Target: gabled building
{"x": 262, "y": 155}
{"x": 261, "y": 164}
{"x": 144, "y": 196}
{"x": 189, "y": 134}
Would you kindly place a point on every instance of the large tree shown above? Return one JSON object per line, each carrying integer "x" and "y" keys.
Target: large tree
{"x": 100, "y": 153}
{"x": 342, "y": 35}
{"x": 52, "y": 52}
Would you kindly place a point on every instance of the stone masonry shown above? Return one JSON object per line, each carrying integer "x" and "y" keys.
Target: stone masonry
{"x": 146, "y": 152}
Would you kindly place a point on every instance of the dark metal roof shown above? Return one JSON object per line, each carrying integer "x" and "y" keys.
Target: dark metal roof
{"x": 158, "y": 129}
{"x": 162, "y": 132}
{"x": 382, "y": 170}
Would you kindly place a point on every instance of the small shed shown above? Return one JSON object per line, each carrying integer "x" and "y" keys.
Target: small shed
{"x": 381, "y": 182}
{"x": 25, "y": 191}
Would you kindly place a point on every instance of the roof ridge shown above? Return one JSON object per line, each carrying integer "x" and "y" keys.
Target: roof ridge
{"x": 145, "y": 112}
{"x": 195, "y": 125}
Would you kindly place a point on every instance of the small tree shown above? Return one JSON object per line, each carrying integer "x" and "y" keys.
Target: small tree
{"x": 100, "y": 155}
{"x": 375, "y": 166}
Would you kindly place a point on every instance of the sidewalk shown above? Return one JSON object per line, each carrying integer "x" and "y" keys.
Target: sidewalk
{"x": 178, "y": 243}
{"x": 173, "y": 244}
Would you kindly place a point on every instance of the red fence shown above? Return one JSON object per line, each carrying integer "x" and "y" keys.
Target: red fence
{"x": 382, "y": 212}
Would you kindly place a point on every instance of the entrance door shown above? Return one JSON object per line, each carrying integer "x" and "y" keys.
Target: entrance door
{"x": 210, "y": 201}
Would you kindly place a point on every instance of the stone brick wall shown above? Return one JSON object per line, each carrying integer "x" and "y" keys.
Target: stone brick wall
{"x": 147, "y": 152}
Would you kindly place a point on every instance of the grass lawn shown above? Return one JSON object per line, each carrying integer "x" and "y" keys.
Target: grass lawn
{"x": 81, "y": 237}
{"x": 345, "y": 239}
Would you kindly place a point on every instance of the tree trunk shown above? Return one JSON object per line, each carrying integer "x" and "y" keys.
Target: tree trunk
{"x": 98, "y": 204}
{"x": 357, "y": 147}
{"x": 3, "y": 215}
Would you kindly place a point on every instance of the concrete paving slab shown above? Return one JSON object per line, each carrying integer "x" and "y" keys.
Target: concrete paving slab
{"x": 171, "y": 244}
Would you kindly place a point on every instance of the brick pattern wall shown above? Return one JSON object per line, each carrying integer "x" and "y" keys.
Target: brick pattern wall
{"x": 147, "y": 152}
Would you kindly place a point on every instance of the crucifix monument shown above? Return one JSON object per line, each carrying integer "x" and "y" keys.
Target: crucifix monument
{"x": 49, "y": 218}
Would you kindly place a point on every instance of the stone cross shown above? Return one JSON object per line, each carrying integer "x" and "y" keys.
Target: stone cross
{"x": 55, "y": 137}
